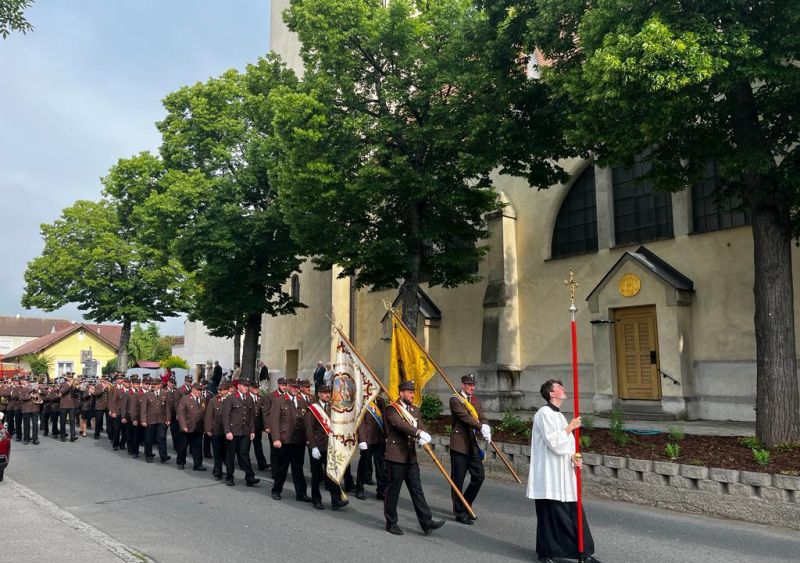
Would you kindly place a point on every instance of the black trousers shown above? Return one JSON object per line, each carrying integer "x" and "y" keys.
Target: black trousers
{"x": 73, "y": 417}
{"x": 460, "y": 465}
{"x": 373, "y": 455}
{"x": 30, "y": 421}
{"x": 98, "y": 422}
{"x": 219, "y": 447}
{"x": 318, "y": 476}
{"x": 18, "y": 424}
{"x": 273, "y": 456}
{"x": 11, "y": 419}
{"x": 207, "y": 446}
{"x": 45, "y": 421}
{"x": 290, "y": 455}
{"x": 258, "y": 448}
{"x": 115, "y": 430}
{"x": 156, "y": 433}
{"x": 133, "y": 437}
{"x": 407, "y": 473}
{"x": 55, "y": 417}
{"x": 175, "y": 432}
{"x": 239, "y": 450}
{"x": 195, "y": 442}
{"x": 557, "y": 530}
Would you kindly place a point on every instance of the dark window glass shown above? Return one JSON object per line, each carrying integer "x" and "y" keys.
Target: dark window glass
{"x": 710, "y": 213}
{"x": 576, "y": 225}
{"x": 296, "y": 288}
{"x": 640, "y": 213}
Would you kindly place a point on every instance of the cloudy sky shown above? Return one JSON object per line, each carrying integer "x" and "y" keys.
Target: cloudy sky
{"x": 84, "y": 89}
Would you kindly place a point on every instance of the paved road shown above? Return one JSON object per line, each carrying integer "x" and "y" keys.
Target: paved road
{"x": 176, "y": 516}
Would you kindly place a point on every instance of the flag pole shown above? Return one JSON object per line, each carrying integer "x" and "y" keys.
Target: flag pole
{"x": 426, "y": 447}
{"x": 573, "y": 285}
{"x": 497, "y": 451}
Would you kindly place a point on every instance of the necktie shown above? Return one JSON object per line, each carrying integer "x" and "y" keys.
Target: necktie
{"x": 197, "y": 400}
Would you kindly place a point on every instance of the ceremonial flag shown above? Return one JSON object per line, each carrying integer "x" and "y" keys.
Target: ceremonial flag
{"x": 409, "y": 362}
{"x": 353, "y": 388}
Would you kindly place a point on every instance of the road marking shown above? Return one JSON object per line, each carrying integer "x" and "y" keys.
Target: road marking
{"x": 120, "y": 550}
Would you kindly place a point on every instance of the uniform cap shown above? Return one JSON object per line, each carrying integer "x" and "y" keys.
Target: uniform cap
{"x": 187, "y": 377}
{"x": 407, "y": 386}
{"x": 224, "y": 385}
{"x": 134, "y": 379}
{"x": 305, "y": 383}
{"x": 293, "y": 383}
{"x": 196, "y": 386}
{"x": 324, "y": 389}
{"x": 282, "y": 381}
{"x": 469, "y": 378}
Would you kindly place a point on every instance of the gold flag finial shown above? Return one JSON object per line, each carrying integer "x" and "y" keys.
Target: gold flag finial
{"x": 572, "y": 285}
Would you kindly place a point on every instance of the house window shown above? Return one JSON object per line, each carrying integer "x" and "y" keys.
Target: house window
{"x": 575, "y": 231}
{"x": 296, "y": 288}
{"x": 64, "y": 367}
{"x": 641, "y": 214}
{"x": 6, "y": 345}
{"x": 711, "y": 213}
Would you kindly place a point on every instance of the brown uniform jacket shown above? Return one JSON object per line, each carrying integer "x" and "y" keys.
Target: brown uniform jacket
{"x": 13, "y": 397}
{"x": 369, "y": 430}
{"x": 132, "y": 405}
{"x": 238, "y": 414}
{"x": 101, "y": 393}
{"x": 86, "y": 401}
{"x": 462, "y": 435}
{"x": 26, "y": 405}
{"x": 191, "y": 413}
{"x": 316, "y": 436}
{"x": 213, "y": 416}
{"x": 155, "y": 410}
{"x": 178, "y": 394}
{"x": 400, "y": 435}
{"x": 287, "y": 422}
{"x": 5, "y": 393}
{"x": 70, "y": 397}
{"x": 116, "y": 395}
{"x": 269, "y": 400}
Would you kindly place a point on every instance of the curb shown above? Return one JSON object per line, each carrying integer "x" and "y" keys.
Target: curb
{"x": 118, "y": 549}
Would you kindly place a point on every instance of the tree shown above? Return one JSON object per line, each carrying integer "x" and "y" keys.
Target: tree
{"x": 146, "y": 344}
{"x": 173, "y": 362}
{"x": 39, "y": 363}
{"x": 216, "y": 209}
{"x": 94, "y": 257}
{"x": 385, "y": 152}
{"x": 688, "y": 83}
{"x": 12, "y": 17}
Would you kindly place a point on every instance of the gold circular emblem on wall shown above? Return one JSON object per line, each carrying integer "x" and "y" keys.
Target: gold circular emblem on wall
{"x": 629, "y": 285}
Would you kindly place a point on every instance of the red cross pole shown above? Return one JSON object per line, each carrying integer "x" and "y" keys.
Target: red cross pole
{"x": 573, "y": 285}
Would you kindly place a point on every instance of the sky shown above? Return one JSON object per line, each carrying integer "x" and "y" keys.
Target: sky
{"x": 84, "y": 89}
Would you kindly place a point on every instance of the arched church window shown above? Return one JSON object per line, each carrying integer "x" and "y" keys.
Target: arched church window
{"x": 710, "y": 212}
{"x": 295, "y": 292}
{"x": 575, "y": 231}
{"x": 641, "y": 214}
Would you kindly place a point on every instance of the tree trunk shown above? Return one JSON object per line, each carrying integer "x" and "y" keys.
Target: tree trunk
{"x": 124, "y": 338}
{"x": 777, "y": 394}
{"x": 237, "y": 348}
{"x": 410, "y": 285}
{"x": 252, "y": 330}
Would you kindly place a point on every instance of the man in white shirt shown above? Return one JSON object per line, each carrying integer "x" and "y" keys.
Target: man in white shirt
{"x": 552, "y": 483}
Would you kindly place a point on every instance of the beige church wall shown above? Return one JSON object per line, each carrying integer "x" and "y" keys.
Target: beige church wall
{"x": 283, "y": 41}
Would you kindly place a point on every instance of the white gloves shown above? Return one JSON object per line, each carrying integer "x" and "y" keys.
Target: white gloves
{"x": 424, "y": 438}
{"x": 315, "y": 453}
{"x": 486, "y": 432}
{"x": 362, "y": 446}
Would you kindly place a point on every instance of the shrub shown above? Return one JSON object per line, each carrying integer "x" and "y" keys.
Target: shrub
{"x": 750, "y": 442}
{"x": 513, "y": 424}
{"x": 431, "y": 407}
{"x": 617, "y": 428}
{"x": 587, "y": 422}
{"x": 786, "y": 448}
{"x": 586, "y": 442}
{"x": 761, "y": 456}
{"x": 675, "y": 433}
{"x": 174, "y": 362}
{"x": 672, "y": 451}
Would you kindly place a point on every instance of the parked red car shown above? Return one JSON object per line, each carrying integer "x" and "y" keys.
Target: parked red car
{"x": 5, "y": 447}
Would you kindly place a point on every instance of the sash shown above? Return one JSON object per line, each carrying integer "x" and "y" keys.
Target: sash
{"x": 373, "y": 409}
{"x": 322, "y": 417}
{"x": 405, "y": 414}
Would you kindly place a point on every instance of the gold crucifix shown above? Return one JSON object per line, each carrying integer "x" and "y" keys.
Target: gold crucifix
{"x": 573, "y": 285}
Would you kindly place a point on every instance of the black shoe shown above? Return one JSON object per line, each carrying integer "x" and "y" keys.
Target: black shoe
{"x": 369, "y": 482}
{"x": 262, "y": 467}
{"x": 360, "y": 494}
{"x": 116, "y": 448}
{"x": 200, "y": 468}
{"x": 464, "y": 519}
{"x": 546, "y": 560}
{"x": 73, "y": 439}
{"x": 181, "y": 466}
{"x": 319, "y": 506}
{"x": 135, "y": 456}
{"x": 380, "y": 496}
{"x": 349, "y": 488}
{"x": 36, "y": 442}
{"x": 229, "y": 482}
{"x": 394, "y": 529}
{"x": 340, "y": 505}
{"x": 592, "y": 559}
{"x": 253, "y": 483}
{"x": 432, "y": 525}
{"x": 96, "y": 437}
{"x": 26, "y": 443}
{"x": 304, "y": 499}
{"x": 63, "y": 439}
{"x": 276, "y": 496}
{"x": 166, "y": 459}
{"x": 149, "y": 459}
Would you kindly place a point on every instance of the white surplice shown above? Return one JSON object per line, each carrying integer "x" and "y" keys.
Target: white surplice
{"x": 551, "y": 475}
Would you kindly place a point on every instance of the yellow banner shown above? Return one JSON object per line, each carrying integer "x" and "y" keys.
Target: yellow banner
{"x": 408, "y": 362}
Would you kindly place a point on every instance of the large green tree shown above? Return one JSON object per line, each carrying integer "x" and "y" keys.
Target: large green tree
{"x": 94, "y": 257}
{"x": 687, "y": 83}
{"x": 12, "y": 17}
{"x": 385, "y": 152}
{"x": 216, "y": 209}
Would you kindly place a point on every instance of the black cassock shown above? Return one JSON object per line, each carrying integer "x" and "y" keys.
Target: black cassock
{"x": 557, "y": 530}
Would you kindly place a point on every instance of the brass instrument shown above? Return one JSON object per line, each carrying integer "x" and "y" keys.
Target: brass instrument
{"x": 36, "y": 398}
{"x": 3, "y": 400}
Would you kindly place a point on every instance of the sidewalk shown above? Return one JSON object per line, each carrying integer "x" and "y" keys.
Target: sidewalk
{"x": 698, "y": 427}
{"x": 35, "y": 529}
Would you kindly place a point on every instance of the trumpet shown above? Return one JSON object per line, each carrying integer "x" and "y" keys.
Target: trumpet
{"x": 36, "y": 398}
